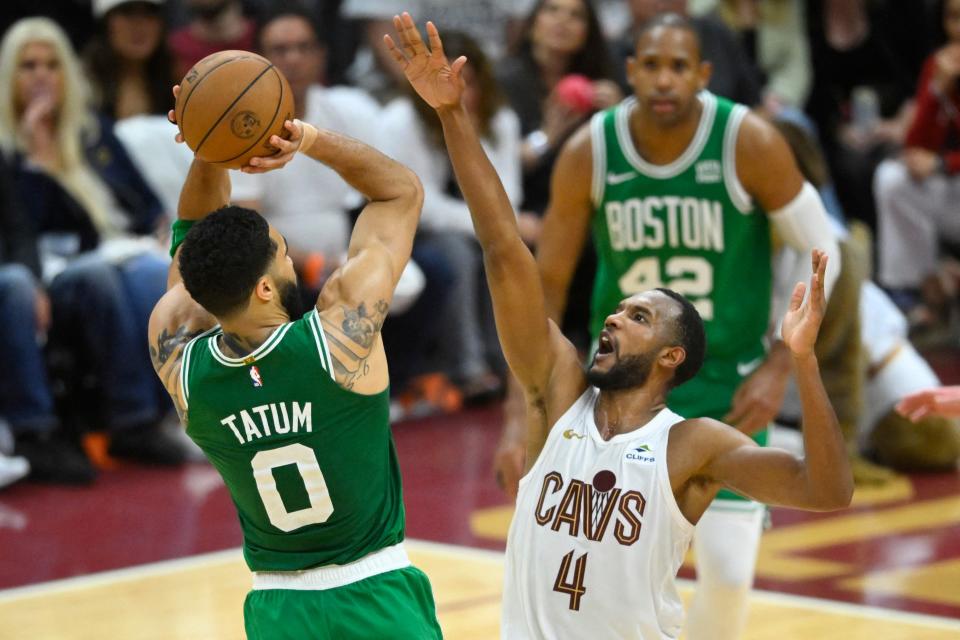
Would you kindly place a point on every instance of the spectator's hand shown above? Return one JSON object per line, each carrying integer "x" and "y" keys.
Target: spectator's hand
{"x": 606, "y": 93}
{"x": 41, "y": 311}
{"x": 508, "y": 463}
{"x": 759, "y": 397}
{"x": 435, "y": 80}
{"x": 920, "y": 163}
{"x": 942, "y": 401}
{"x": 946, "y": 67}
{"x": 37, "y": 129}
{"x": 558, "y": 119}
{"x": 172, "y": 115}
{"x": 286, "y": 150}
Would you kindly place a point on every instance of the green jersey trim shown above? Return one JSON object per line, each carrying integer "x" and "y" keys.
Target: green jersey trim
{"x": 185, "y": 365}
{"x": 313, "y": 319}
{"x": 738, "y": 195}
{"x": 256, "y": 354}
{"x": 598, "y": 146}
{"x": 683, "y": 162}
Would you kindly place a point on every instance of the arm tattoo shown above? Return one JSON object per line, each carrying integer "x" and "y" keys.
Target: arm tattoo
{"x": 167, "y": 344}
{"x": 351, "y": 342}
{"x": 361, "y": 326}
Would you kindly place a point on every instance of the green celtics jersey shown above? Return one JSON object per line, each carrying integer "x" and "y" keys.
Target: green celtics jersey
{"x": 310, "y": 466}
{"x": 691, "y": 227}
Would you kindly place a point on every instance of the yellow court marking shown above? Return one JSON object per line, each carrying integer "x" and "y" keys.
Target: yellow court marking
{"x": 202, "y": 597}
{"x": 938, "y": 582}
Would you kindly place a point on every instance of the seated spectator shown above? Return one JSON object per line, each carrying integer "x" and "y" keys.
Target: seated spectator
{"x": 490, "y": 22}
{"x": 917, "y": 194}
{"x": 92, "y": 213}
{"x": 733, "y": 75}
{"x": 310, "y": 204}
{"x": 865, "y": 62}
{"x": 215, "y": 25}
{"x": 128, "y": 63}
{"x": 468, "y": 348}
{"x": 866, "y": 358}
{"x": 773, "y": 33}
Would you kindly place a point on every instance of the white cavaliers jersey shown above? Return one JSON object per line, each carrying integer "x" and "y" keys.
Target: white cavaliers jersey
{"x": 597, "y": 537}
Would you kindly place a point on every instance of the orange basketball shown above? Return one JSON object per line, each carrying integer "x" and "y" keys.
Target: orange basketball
{"x": 230, "y": 103}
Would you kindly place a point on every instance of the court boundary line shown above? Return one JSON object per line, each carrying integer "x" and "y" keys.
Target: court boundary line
{"x": 166, "y": 567}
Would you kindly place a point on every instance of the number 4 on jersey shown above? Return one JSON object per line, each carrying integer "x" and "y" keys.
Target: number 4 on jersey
{"x": 574, "y": 586}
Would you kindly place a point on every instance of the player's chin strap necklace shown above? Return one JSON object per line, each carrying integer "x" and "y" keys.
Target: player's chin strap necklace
{"x": 609, "y": 429}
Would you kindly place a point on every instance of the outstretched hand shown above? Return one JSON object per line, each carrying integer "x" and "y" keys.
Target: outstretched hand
{"x": 430, "y": 74}
{"x": 801, "y": 323}
{"x": 940, "y": 401}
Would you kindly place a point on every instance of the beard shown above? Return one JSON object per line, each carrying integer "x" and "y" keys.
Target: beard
{"x": 290, "y": 299}
{"x": 627, "y": 373}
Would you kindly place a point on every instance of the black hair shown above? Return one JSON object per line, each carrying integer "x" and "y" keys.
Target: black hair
{"x": 690, "y": 335}
{"x": 592, "y": 61}
{"x": 104, "y": 65}
{"x": 286, "y": 9}
{"x": 672, "y": 21}
{"x": 223, "y": 256}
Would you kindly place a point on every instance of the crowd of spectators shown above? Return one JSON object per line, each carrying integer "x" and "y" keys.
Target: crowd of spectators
{"x": 90, "y": 173}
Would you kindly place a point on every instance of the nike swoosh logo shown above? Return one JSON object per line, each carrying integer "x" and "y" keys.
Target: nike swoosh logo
{"x": 619, "y": 178}
{"x": 746, "y": 368}
{"x": 570, "y": 434}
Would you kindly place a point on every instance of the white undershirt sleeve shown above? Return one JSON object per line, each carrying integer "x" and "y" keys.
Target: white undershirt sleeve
{"x": 803, "y": 225}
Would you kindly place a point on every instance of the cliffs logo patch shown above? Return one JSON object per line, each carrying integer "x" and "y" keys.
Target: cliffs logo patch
{"x": 708, "y": 171}
{"x": 255, "y": 376}
{"x": 570, "y": 434}
{"x": 643, "y": 453}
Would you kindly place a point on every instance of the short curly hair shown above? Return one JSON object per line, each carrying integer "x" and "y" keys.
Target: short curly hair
{"x": 223, "y": 256}
{"x": 690, "y": 334}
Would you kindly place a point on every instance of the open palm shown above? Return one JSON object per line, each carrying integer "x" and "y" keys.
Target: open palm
{"x": 802, "y": 321}
{"x": 436, "y": 81}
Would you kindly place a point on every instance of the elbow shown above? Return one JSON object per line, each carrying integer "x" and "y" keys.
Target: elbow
{"x": 838, "y": 497}
{"x": 411, "y": 189}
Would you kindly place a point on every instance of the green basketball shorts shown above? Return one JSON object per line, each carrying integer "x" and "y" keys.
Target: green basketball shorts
{"x": 397, "y": 604}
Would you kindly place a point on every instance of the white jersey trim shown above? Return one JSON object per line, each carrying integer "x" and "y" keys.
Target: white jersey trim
{"x": 185, "y": 366}
{"x": 738, "y": 195}
{"x": 334, "y": 575}
{"x": 598, "y": 147}
{"x": 256, "y": 354}
{"x": 587, "y": 396}
{"x": 689, "y": 155}
{"x": 313, "y": 320}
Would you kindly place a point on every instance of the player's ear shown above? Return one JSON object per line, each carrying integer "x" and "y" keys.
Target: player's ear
{"x": 264, "y": 290}
{"x": 672, "y": 357}
{"x": 631, "y": 67}
{"x": 704, "y": 71}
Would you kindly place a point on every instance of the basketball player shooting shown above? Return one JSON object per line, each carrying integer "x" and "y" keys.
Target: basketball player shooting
{"x": 294, "y": 411}
{"x": 606, "y": 510}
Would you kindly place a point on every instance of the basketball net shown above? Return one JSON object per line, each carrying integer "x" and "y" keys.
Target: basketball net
{"x": 600, "y": 499}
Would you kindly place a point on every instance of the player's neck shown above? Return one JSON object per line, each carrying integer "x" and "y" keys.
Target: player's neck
{"x": 243, "y": 335}
{"x": 627, "y": 410}
{"x": 661, "y": 144}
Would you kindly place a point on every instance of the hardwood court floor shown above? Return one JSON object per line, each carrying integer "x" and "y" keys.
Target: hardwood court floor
{"x": 201, "y": 597}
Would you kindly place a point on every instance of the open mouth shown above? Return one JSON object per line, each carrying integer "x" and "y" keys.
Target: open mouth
{"x": 605, "y": 345}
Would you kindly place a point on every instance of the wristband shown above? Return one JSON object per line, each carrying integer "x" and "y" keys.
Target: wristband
{"x": 310, "y": 134}
{"x": 178, "y": 232}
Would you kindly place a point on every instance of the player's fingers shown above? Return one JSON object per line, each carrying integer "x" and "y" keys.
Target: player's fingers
{"x": 172, "y": 116}
{"x": 295, "y": 127}
{"x": 436, "y": 46}
{"x": 738, "y": 410}
{"x": 796, "y": 298}
{"x": 176, "y": 91}
{"x": 413, "y": 36}
{"x": 919, "y": 414}
{"x": 457, "y": 66}
{"x": 395, "y": 51}
{"x": 178, "y": 138}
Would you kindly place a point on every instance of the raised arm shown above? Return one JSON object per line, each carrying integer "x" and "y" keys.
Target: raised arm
{"x": 354, "y": 302}
{"x": 532, "y": 345}
{"x": 821, "y": 480}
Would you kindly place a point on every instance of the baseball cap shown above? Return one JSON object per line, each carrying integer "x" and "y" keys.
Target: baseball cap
{"x": 101, "y": 7}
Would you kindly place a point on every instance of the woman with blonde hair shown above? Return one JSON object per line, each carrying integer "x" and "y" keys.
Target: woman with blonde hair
{"x": 92, "y": 215}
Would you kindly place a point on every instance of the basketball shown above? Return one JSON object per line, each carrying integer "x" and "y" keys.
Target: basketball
{"x": 229, "y": 106}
